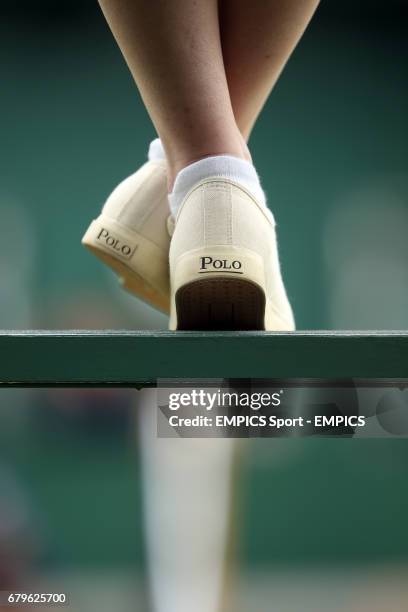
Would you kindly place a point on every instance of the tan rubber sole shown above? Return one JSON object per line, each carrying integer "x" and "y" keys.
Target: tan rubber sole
{"x": 131, "y": 281}
{"x": 220, "y": 304}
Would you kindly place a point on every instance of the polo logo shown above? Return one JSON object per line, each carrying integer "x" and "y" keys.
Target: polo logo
{"x": 209, "y": 264}
{"x": 114, "y": 243}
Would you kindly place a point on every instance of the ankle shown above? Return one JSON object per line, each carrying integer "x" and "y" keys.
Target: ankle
{"x": 224, "y": 167}
{"x": 227, "y": 141}
{"x": 176, "y": 166}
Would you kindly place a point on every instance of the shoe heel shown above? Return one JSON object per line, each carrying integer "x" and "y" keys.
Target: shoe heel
{"x": 141, "y": 266}
{"x": 219, "y": 288}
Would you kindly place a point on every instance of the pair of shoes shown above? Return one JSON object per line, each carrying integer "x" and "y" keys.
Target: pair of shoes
{"x": 214, "y": 267}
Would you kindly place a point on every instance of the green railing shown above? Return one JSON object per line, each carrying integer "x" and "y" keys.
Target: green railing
{"x": 137, "y": 358}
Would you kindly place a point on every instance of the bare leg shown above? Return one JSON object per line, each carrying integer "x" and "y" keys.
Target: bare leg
{"x": 257, "y": 39}
{"x": 204, "y": 66}
{"x": 173, "y": 50}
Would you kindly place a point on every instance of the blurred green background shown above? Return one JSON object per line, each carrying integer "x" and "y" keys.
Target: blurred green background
{"x": 331, "y": 147}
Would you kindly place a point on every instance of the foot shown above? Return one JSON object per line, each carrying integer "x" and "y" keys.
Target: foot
{"x": 131, "y": 234}
{"x": 224, "y": 266}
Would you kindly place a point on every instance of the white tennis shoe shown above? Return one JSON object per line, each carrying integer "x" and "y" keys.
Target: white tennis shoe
{"x": 131, "y": 234}
{"x": 224, "y": 265}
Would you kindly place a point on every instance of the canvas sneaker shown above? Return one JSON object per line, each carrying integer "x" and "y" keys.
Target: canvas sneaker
{"x": 224, "y": 265}
{"x": 131, "y": 234}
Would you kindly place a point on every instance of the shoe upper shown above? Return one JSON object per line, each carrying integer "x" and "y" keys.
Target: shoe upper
{"x": 140, "y": 203}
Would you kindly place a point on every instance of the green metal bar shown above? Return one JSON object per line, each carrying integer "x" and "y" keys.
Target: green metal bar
{"x": 138, "y": 358}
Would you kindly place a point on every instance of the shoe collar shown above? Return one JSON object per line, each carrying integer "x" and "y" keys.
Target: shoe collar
{"x": 216, "y": 179}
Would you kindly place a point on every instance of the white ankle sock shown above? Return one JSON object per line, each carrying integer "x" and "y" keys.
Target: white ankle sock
{"x": 156, "y": 150}
{"x": 235, "y": 169}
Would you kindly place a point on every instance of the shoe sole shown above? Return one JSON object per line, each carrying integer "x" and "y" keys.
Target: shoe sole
{"x": 220, "y": 304}
{"x": 132, "y": 278}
